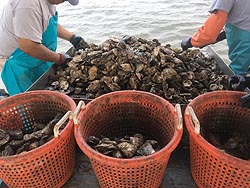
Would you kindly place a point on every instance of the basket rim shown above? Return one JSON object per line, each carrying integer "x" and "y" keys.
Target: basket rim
{"x": 200, "y": 140}
{"x": 167, "y": 149}
{"x": 37, "y": 92}
{"x": 48, "y": 145}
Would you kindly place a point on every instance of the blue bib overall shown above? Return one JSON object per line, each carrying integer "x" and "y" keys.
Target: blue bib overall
{"x": 238, "y": 41}
{"x": 21, "y": 70}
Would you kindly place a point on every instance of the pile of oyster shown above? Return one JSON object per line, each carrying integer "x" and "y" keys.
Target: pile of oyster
{"x": 14, "y": 142}
{"x": 234, "y": 143}
{"x": 125, "y": 147}
{"x": 132, "y": 63}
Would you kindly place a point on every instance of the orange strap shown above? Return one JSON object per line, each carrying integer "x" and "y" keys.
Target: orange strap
{"x": 208, "y": 33}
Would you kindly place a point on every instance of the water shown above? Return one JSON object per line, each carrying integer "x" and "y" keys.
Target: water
{"x": 169, "y": 21}
{"x": 166, "y": 20}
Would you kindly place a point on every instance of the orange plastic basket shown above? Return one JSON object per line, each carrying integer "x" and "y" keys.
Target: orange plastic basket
{"x": 210, "y": 166}
{"x": 124, "y": 113}
{"x": 49, "y": 165}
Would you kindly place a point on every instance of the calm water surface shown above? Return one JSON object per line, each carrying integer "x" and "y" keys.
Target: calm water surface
{"x": 169, "y": 21}
{"x": 166, "y": 20}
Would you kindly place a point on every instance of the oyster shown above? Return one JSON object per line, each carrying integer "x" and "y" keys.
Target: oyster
{"x": 16, "y": 134}
{"x": 146, "y": 149}
{"x": 4, "y": 137}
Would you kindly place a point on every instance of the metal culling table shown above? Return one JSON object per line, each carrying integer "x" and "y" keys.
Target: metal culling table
{"x": 178, "y": 173}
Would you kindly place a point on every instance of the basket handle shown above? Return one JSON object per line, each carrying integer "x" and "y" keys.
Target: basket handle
{"x": 70, "y": 115}
{"x": 197, "y": 126}
{"x": 179, "y": 115}
{"x": 80, "y": 106}
{"x": 61, "y": 122}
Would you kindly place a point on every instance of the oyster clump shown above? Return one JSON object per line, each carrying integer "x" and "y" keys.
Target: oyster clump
{"x": 125, "y": 147}
{"x": 234, "y": 143}
{"x": 132, "y": 63}
{"x": 14, "y": 142}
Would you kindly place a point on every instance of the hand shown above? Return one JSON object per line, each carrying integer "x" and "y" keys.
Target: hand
{"x": 239, "y": 82}
{"x": 245, "y": 101}
{"x": 64, "y": 58}
{"x": 186, "y": 43}
{"x": 221, "y": 36}
{"x": 78, "y": 42}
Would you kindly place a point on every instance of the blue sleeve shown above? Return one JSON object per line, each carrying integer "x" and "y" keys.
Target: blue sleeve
{"x": 225, "y": 5}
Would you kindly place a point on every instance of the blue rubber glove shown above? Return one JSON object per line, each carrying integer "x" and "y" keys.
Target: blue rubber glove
{"x": 239, "y": 82}
{"x": 64, "y": 58}
{"x": 78, "y": 42}
{"x": 186, "y": 43}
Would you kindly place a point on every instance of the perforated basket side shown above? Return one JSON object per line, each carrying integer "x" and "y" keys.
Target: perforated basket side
{"x": 210, "y": 166}
{"x": 42, "y": 167}
{"x": 124, "y": 113}
{"x": 49, "y": 165}
{"x": 210, "y": 170}
{"x": 148, "y": 173}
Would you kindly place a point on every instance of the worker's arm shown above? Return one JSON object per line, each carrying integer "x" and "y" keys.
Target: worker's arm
{"x": 63, "y": 33}
{"x": 39, "y": 51}
{"x": 208, "y": 33}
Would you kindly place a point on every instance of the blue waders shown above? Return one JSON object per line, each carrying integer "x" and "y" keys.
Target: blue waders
{"x": 238, "y": 41}
{"x": 21, "y": 70}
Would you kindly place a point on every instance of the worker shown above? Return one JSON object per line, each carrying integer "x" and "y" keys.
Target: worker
{"x": 232, "y": 16}
{"x": 28, "y": 35}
